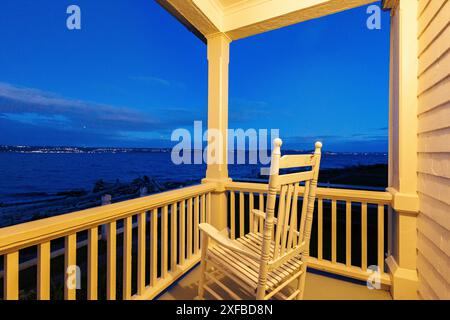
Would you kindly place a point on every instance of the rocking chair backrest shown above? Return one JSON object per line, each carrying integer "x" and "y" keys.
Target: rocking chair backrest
{"x": 289, "y": 235}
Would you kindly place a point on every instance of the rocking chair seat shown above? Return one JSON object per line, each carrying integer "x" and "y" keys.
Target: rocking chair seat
{"x": 247, "y": 269}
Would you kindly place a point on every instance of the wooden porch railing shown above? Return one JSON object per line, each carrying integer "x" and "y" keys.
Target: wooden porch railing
{"x": 152, "y": 241}
{"x": 349, "y": 228}
{"x": 164, "y": 245}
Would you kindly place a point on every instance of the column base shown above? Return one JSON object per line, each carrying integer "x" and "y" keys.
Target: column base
{"x": 219, "y": 204}
{"x": 404, "y": 281}
{"x": 221, "y": 183}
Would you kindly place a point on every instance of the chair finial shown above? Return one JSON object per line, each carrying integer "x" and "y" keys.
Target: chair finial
{"x": 277, "y": 142}
{"x": 318, "y": 146}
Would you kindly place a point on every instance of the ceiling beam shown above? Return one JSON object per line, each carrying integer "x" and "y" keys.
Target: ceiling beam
{"x": 315, "y": 9}
{"x": 247, "y": 18}
{"x": 190, "y": 16}
{"x": 389, "y": 4}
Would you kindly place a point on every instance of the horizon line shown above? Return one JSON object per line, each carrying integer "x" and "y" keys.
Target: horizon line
{"x": 169, "y": 148}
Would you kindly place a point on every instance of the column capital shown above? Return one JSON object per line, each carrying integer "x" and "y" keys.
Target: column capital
{"x": 218, "y": 47}
{"x": 221, "y": 183}
{"x": 219, "y": 35}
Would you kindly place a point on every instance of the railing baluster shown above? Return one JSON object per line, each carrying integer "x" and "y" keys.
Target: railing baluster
{"x": 251, "y": 201}
{"x": 364, "y": 236}
{"x": 43, "y": 271}
{"x": 11, "y": 276}
{"x": 381, "y": 237}
{"x": 127, "y": 243}
{"x": 241, "y": 214}
{"x": 173, "y": 240}
{"x": 165, "y": 241}
{"x": 111, "y": 261}
{"x": 232, "y": 215}
{"x": 196, "y": 229}
{"x": 202, "y": 211}
{"x": 92, "y": 263}
{"x": 333, "y": 231}
{"x": 142, "y": 221}
{"x": 182, "y": 234}
{"x": 348, "y": 233}
{"x": 208, "y": 207}
{"x": 70, "y": 258}
{"x": 189, "y": 229}
{"x": 320, "y": 229}
{"x": 153, "y": 247}
{"x": 203, "y": 208}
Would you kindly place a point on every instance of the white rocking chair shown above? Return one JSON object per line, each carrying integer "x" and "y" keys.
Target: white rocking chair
{"x": 262, "y": 264}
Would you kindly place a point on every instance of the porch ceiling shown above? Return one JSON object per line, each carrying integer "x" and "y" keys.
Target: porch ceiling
{"x": 243, "y": 18}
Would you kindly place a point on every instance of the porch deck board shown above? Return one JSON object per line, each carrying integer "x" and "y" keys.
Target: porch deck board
{"x": 318, "y": 287}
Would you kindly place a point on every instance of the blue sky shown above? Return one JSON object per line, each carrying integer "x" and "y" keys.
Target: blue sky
{"x": 133, "y": 74}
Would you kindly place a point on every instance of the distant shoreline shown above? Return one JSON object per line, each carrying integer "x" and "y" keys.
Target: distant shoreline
{"x": 78, "y": 149}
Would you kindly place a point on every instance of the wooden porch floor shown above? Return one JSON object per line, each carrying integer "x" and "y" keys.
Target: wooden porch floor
{"x": 318, "y": 287}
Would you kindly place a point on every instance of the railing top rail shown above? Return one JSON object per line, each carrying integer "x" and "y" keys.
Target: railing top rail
{"x": 31, "y": 233}
{"x": 380, "y": 197}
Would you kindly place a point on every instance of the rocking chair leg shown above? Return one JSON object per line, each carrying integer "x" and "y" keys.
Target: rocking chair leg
{"x": 260, "y": 293}
{"x": 301, "y": 284}
{"x": 201, "y": 289}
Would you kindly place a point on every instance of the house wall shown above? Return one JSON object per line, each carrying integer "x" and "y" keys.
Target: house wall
{"x": 433, "y": 225}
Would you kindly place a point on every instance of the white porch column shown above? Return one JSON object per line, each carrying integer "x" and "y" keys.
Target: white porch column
{"x": 403, "y": 150}
{"x": 217, "y": 171}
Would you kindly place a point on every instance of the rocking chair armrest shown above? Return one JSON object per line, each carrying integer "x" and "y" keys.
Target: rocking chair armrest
{"x": 262, "y": 214}
{"x": 224, "y": 241}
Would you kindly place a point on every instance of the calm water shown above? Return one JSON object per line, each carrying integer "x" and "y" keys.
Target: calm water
{"x": 23, "y": 174}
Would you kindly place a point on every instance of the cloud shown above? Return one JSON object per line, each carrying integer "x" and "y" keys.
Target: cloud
{"x": 158, "y": 81}
{"x": 21, "y": 133}
{"x": 150, "y": 79}
{"x": 17, "y": 102}
{"x": 36, "y": 110}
